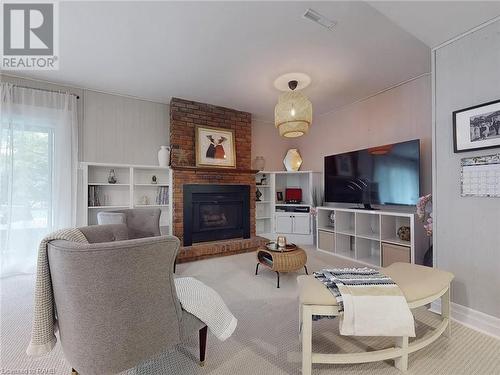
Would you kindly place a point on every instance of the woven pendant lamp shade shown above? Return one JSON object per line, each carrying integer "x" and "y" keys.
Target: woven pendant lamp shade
{"x": 293, "y": 114}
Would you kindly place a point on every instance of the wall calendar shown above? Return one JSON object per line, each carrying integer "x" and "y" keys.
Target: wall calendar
{"x": 480, "y": 176}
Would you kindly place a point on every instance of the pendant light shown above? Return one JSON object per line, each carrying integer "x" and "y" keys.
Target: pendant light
{"x": 293, "y": 113}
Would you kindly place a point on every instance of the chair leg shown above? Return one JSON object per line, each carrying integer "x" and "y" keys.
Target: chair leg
{"x": 257, "y": 268}
{"x": 401, "y": 363}
{"x": 203, "y": 344}
{"x": 278, "y": 275}
{"x": 74, "y": 372}
{"x": 306, "y": 340}
{"x": 175, "y": 264}
{"x": 300, "y": 320}
{"x": 305, "y": 269}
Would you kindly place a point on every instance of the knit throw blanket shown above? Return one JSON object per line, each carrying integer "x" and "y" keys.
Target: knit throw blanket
{"x": 371, "y": 304}
{"x": 44, "y": 321}
{"x": 207, "y": 305}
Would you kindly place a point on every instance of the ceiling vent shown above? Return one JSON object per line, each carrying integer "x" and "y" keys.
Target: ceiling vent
{"x": 314, "y": 16}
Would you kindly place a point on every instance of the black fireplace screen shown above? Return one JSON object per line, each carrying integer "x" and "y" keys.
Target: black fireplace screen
{"x": 223, "y": 215}
{"x": 215, "y": 212}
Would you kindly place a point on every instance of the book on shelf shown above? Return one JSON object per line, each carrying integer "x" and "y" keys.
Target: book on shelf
{"x": 94, "y": 196}
{"x": 162, "y": 195}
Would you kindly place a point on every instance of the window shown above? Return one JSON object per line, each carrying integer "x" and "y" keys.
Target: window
{"x": 25, "y": 193}
{"x": 38, "y": 165}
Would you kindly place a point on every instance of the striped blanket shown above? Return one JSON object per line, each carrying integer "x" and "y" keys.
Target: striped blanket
{"x": 371, "y": 304}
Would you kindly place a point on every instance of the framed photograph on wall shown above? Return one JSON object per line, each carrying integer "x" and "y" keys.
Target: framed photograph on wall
{"x": 215, "y": 147}
{"x": 477, "y": 128}
{"x": 279, "y": 196}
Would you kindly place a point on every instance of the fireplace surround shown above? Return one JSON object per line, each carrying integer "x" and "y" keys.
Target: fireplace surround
{"x": 215, "y": 212}
{"x": 185, "y": 116}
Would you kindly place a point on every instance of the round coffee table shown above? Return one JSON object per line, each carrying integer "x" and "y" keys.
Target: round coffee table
{"x": 282, "y": 261}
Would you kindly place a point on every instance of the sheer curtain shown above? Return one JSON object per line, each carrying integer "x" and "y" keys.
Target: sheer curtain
{"x": 38, "y": 166}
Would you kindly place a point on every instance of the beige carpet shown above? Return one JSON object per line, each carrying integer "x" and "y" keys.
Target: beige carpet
{"x": 266, "y": 339}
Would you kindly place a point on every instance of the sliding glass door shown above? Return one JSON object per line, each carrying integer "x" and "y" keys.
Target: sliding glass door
{"x": 26, "y": 173}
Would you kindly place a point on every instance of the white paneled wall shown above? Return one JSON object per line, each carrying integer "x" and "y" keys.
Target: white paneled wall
{"x": 466, "y": 235}
{"x": 119, "y": 129}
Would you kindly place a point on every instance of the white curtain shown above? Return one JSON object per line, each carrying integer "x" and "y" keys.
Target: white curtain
{"x": 38, "y": 166}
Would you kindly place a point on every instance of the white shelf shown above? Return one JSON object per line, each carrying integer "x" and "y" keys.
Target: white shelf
{"x": 327, "y": 229}
{"x": 369, "y": 236}
{"x": 290, "y": 172}
{"x": 152, "y": 185}
{"x": 101, "y": 207}
{"x": 396, "y": 241}
{"x": 293, "y": 204}
{"x": 365, "y": 231}
{"x": 346, "y": 232}
{"x": 134, "y": 185}
{"x": 298, "y": 227}
{"x": 106, "y": 184}
{"x": 151, "y": 205}
{"x": 118, "y": 165}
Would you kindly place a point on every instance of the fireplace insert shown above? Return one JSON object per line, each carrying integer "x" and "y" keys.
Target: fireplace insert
{"x": 216, "y": 212}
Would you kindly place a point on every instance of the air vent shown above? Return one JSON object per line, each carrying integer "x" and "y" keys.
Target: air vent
{"x": 314, "y": 16}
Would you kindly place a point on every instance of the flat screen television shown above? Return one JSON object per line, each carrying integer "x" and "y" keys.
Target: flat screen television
{"x": 388, "y": 174}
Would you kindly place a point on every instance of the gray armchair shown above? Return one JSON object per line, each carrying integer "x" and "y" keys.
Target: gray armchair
{"x": 116, "y": 301}
{"x": 141, "y": 222}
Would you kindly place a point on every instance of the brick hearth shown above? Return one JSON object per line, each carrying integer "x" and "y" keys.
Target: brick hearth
{"x": 184, "y": 116}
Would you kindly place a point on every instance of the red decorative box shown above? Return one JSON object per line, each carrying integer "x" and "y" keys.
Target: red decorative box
{"x": 293, "y": 195}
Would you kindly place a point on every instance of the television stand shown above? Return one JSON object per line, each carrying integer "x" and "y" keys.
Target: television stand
{"x": 370, "y": 237}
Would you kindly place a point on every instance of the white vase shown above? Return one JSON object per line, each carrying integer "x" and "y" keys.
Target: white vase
{"x": 292, "y": 160}
{"x": 259, "y": 163}
{"x": 164, "y": 156}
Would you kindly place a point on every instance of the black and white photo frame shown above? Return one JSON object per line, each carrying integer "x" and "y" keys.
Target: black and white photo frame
{"x": 477, "y": 127}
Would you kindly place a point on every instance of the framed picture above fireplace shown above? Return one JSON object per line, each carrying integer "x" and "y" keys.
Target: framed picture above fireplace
{"x": 215, "y": 147}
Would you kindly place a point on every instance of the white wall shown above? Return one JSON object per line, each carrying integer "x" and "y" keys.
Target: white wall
{"x": 119, "y": 129}
{"x": 466, "y": 234}
{"x": 114, "y": 128}
{"x": 267, "y": 142}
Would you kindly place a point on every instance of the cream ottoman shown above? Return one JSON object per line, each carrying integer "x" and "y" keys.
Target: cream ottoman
{"x": 420, "y": 286}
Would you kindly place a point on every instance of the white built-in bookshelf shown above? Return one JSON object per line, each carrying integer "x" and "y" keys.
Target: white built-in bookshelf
{"x": 265, "y": 208}
{"x": 134, "y": 188}
{"x": 364, "y": 235}
{"x": 275, "y": 217}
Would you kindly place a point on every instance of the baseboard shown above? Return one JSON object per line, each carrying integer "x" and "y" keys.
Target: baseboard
{"x": 474, "y": 319}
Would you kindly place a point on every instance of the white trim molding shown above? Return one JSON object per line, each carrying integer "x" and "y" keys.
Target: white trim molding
{"x": 476, "y": 320}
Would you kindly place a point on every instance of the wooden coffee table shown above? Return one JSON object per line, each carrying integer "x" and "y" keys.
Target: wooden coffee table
{"x": 282, "y": 261}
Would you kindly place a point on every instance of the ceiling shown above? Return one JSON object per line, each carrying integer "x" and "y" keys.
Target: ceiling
{"x": 435, "y": 22}
{"x": 230, "y": 53}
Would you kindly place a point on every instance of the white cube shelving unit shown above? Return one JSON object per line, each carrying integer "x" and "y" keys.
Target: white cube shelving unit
{"x": 133, "y": 186}
{"x": 360, "y": 235}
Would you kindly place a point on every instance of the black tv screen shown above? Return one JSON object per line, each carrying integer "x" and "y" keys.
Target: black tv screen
{"x": 388, "y": 174}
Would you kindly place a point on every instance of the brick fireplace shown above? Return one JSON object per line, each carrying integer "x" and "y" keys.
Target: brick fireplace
{"x": 185, "y": 115}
